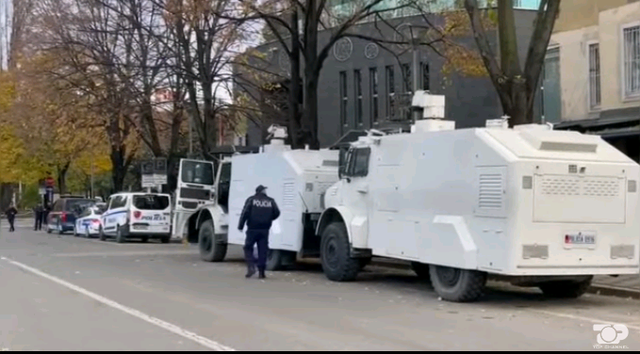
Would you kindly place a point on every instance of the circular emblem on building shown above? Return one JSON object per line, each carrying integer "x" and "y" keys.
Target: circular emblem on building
{"x": 371, "y": 51}
{"x": 283, "y": 60}
{"x": 342, "y": 49}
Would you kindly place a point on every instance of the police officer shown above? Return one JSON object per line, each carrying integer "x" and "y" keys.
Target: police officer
{"x": 258, "y": 213}
{"x": 37, "y": 213}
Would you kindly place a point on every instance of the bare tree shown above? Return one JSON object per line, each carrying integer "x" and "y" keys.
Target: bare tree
{"x": 516, "y": 85}
{"x": 296, "y": 25}
{"x": 205, "y": 43}
{"x": 95, "y": 57}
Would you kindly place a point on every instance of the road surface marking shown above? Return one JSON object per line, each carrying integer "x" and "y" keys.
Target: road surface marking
{"x": 208, "y": 343}
{"x": 581, "y": 318}
{"x": 132, "y": 253}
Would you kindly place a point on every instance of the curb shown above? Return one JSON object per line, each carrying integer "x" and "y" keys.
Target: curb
{"x": 617, "y": 291}
{"x": 595, "y": 288}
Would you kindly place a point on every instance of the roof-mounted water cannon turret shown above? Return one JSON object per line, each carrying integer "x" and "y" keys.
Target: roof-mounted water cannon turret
{"x": 277, "y": 135}
{"x": 432, "y": 113}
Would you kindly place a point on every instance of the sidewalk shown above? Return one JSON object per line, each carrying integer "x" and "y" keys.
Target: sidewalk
{"x": 622, "y": 286}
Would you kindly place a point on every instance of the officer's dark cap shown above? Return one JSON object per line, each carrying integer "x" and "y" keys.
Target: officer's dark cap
{"x": 260, "y": 189}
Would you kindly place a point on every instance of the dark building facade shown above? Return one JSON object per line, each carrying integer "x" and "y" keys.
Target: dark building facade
{"x": 363, "y": 86}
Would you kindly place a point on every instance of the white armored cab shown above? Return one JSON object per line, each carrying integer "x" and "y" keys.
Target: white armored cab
{"x": 532, "y": 205}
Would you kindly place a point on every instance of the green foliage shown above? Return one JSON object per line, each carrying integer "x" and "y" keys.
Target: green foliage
{"x": 30, "y": 196}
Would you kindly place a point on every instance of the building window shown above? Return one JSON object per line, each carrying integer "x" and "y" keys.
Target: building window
{"x": 357, "y": 80}
{"x": 391, "y": 91}
{"x": 406, "y": 77}
{"x": 373, "y": 88}
{"x": 343, "y": 98}
{"x": 594, "y": 76}
{"x": 406, "y": 102}
{"x": 425, "y": 76}
{"x": 552, "y": 103}
{"x": 631, "y": 37}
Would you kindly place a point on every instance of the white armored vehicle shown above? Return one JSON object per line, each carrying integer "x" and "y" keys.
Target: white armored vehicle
{"x": 201, "y": 202}
{"x": 295, "y": 179}
{"x": 534, "y": 206}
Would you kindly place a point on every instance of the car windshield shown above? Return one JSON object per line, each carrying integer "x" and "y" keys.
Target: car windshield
{"x": 75, "y": 205}
{"x": 98, "y": 211}
{"x": 197, "y": 172}
{"x": 151, "y": 202}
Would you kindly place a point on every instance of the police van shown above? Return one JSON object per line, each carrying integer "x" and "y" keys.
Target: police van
{"x": 137, "y": 216}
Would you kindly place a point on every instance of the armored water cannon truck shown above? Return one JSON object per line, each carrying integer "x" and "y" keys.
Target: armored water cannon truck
{"x": 296, "y": 180}
{"x": 201, "y": 206}
{"x": 529, "y": 205}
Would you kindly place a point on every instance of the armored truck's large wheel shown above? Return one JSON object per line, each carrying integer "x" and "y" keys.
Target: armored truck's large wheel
{"x": 337, "y": 264}
{"x": 566, "y": 289}
{"x": 280, "y": 259}
{"x": 421, "y": 270}
{"x": 457, "y": 285}
{"x": 210, "y": 250}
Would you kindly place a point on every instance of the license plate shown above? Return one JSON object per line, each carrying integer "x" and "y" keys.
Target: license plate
{"x": 140, "y": 227}
{"x": 580, "y": 238}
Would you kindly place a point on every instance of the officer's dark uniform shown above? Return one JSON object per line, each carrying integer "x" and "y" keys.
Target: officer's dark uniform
{"x": 259, "y": 212}
{"x": 37, "y": 212}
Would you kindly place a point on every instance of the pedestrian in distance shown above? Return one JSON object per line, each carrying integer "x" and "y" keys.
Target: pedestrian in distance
{"x": 258, "y": 213}
{"x": 11, "y": 217}
{"x": 37, "y": 214}
{"x": 45, "y": 214}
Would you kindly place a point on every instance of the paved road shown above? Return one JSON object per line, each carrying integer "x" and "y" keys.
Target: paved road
{"x": 66, "y": 293}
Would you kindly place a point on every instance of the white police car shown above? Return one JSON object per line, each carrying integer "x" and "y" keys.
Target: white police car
{"x": 89, "y": 221}
{"x": 137, "y": 215}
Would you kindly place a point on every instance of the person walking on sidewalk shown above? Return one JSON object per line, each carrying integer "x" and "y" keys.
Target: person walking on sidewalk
{"x": 258, "y": 213}
{"x": 11, "y": 217}
{"x": 37, "y": 213}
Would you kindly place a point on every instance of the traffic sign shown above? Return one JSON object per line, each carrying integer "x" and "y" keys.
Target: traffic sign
{"x": 160, "y": 171}
{"x": 147, "y": 168}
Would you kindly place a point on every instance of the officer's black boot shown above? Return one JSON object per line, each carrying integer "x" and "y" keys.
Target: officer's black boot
{"x": 261, "y": 274}
{"x": 251, "y": 270}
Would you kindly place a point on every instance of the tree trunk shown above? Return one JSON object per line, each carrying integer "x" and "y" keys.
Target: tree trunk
{"x": 119, "y": 169}
{"x": 294, "y": 86}
{"x": 517, "y": 104}
{"x": 309, "y": 126}
{"x": 62, "y": 178}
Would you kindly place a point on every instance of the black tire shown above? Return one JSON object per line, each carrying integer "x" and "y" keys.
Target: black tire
{"x": 165, "y": 239}
{"x": 101, "y": 234}
{"x": 566, "y": 289}
{"x": 210, "y": 250}
{"x": 119, "y": 236}
{"x": 457, "y": 285}
{"x": 337, "y": 263}
{"x": 364, "y": 262}
{"x": 421, "y": 270}
{"x": 280, "y": 259}
{"x": 144, "y": 239}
